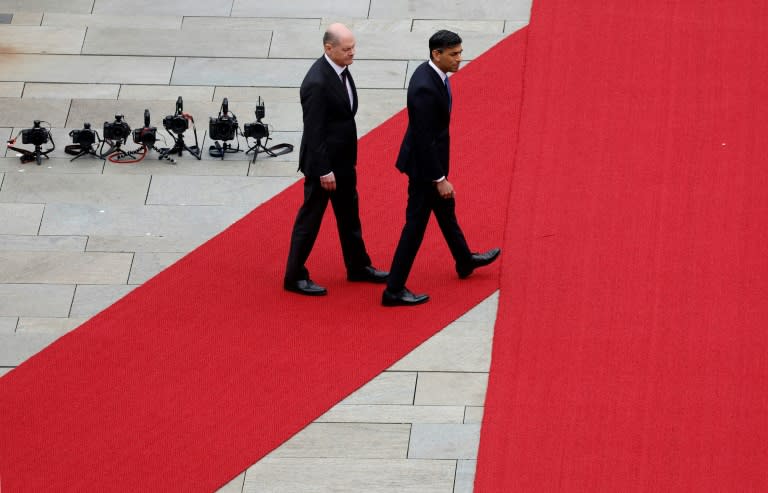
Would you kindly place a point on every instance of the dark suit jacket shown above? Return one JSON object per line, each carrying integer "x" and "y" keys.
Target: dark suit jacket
{"x": 424, "y": 153}
{"x": 329, "y": 141}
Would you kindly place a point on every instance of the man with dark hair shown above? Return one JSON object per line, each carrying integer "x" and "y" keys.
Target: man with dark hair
{"x": 327, "y": 158}
{"x": 424, "y": 157}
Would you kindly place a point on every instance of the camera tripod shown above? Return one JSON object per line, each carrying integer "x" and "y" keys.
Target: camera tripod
{"x": 179, "y": 145}
{"x": 258, "y": 148}
{"x": 79, "y": 151}
{"x": 28, "y": 156}
{"x": 115, "y": 148}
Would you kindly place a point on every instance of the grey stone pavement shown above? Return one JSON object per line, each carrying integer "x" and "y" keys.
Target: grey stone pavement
{"x": 77, "y": 236}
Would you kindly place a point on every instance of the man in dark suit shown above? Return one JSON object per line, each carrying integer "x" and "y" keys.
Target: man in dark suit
{"x": 424, "y": 157}
{"x": 327, "y": 158}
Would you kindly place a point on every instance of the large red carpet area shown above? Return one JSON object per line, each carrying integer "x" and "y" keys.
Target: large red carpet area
{"x": 614, "y": 150}
{"x": 630, "y": 351}
{"x": 200, "y": 372}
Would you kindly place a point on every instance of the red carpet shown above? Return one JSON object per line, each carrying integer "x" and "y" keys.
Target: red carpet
{"x": 631, "y": 352}
{"x": 194, "y": 376}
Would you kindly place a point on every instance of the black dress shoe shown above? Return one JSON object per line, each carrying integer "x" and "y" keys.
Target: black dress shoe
{"x": 402, "y": 298}
{"x": 306, "y": 287}
{"x": 368, "y": 274}
{"x": 477, "y": 260}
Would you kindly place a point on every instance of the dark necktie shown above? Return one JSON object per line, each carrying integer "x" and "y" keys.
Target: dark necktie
{"x": 450, "y": 96}
{"x": 344, "y": 76}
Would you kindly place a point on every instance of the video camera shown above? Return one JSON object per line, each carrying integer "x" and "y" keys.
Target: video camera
{"x": 117, "y": 130}
{"x": 223, "y": 127}
{"x": 146, "y": 136}
{"x": 257, "y": 130}
{"x": 36, "y": 135}
{"x": 176, "y": 123}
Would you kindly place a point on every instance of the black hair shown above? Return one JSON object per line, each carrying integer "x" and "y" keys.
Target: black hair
{"x": 443, "y": 39}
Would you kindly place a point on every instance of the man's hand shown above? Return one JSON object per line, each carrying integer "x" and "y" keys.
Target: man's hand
{"x": 445, "y": 189}
{"x": 328, "y": 182}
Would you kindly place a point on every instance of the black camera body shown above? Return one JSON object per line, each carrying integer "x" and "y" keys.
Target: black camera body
{"x": 36, "y": 135}
{"x": 117, "y": 130}
{"x": 223, "y": 127}
{"x": 147, "y": 135}
{"x": 84, "y": 137}
{"x": 257, "y": 130}
{"x": 177, "y": 123}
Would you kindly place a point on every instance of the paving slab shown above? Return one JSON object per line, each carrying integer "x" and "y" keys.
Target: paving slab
{"x": 350, "y": 476}
{"x": 512, "y": 26}
{"x": 364, "y": 25}
{"x": 64, "y": 267}
{"x": 234, "y": 486}
{"x": 172, "y": 42}
{"x": 15, "y": 348}
{"x": 32, "y": 243}
{"x": 8, "y": 325}
{"x": 83, "y": 165}
{"x": 268, "y": 95}
{"x": 77, "y": 219}
{"x": 189, "y": 7}
{"x": 27, "y": 18}
{"x": 115, "y": 21}
{"x": 300, "y": 8}
{"x": 11, "y": 89}
{"x": 461, "y": 347}
{"x": 147, "y": 265}
{"x": 91, "y": 299}
{"x": 430, "y": 26}
{"x": 145, "y": 244}
{"x": 387, "y": 388}
{"x": 87, "y": 70}
{"x": 70, "y": 6}
{"x": 426, "y": 9}
{"x": 444, "y": 441}
{"x": 21, "y": 113}
{"x": 75, "y": 189}
{"x": 404, "y": 46}
{"x": 186, "y": 166}
{"x": 385, "y": 74}
{"x": 41, "y": 39}
{"x": 166, "y": 93}
{"x": 465, "y": 476}
{"x": 450, "y": 389}
{"x": 35, "y": 300}
{"x": 474, "y": 414}
{"x": 20, "y": 219}
{"x": 270, "y": 167}
{"x": 393, "y": 414}
{"x": 49, "y": 325}
{"x": 214, "y": 190}
{"x": 251, "y": 23}
{"x": 348, "y": 440}
{"x": 71, "y": 91}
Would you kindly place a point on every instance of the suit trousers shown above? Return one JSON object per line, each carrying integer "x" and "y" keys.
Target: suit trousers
{"x": 424, "y": 199}
{"x": 345, "y": 203}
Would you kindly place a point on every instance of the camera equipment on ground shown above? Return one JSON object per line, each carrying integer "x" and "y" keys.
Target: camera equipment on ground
{"x": 176, "y": 125}
{"x": 115, "y": 134}
{"x": 223, "y": 128}
{"x": 37, "y": 136}
{"x": 259, "y": 130}
{"x": 83, "y": 142}
{"x": 146, "y": 137}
